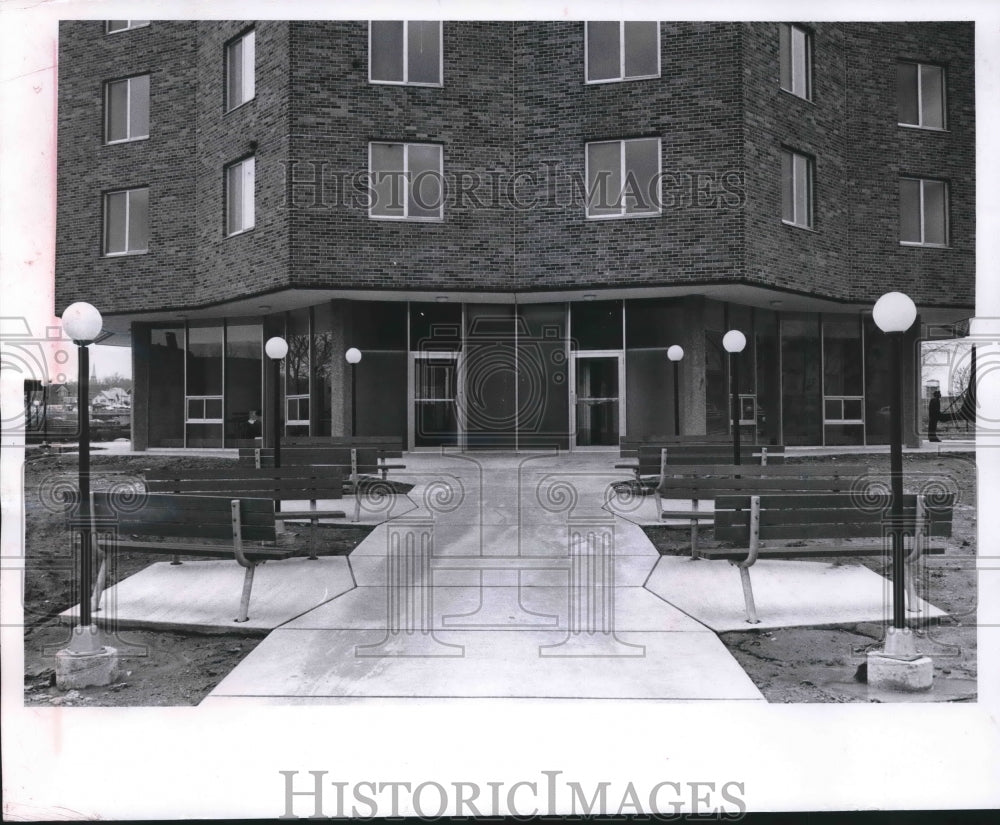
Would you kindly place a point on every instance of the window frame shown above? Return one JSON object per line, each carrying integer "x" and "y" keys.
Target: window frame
{"x": 227, "y": 201}
{"x": 128, "y": 223}
{"x": 810, "y": 190}
{"x": 128, "y": 120}
{"x": 623, "y": 214}
{"x": 129, "y": 26}
{"x": 920, "y": 96}
{"x": 227, "y": 104}
{"x": 405, "y": 187}
{"x": 203, "y": 400}
{"x": 406, "y": 63}
{"x": 622, "y": 77}
{"x": 946, "y": 211}
{"x": 808, "y": 68}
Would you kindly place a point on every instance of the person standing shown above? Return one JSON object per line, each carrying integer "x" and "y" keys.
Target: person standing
{"x": 933, "y": 415}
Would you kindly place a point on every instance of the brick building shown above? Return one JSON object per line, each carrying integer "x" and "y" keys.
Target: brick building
{"x": 513, "y": 221}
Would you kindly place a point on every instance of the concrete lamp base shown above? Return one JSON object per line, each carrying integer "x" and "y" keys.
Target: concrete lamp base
{"x": 85, "y": 662}
{"x": 898, "y": 666}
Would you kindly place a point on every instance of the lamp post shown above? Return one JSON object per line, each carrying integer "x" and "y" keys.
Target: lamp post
{"x": 353, "y": 357}
{"x": 894, "y": 313}
{"x": 82, "y": 323}
{"x": 675, "y": 354}
{"x": 734, "y": 342}
{"x": 276, "y": 349}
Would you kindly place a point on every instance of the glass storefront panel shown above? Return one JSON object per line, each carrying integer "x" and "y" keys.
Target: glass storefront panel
{"x": 596, "y": 325}
{"x": 597, "y": 400}
{"x": 203, "y": 406}
{"x": 716, "y": 385}
{"x": 244, "y": 364}
{"x": 321, "y": 360}
{"x": 542, "y": 386}
{"x": 489, "y": 406}
{"x": 166, "y": 387}
{"x": 802, "y": 391}
{"x": 877, "y": 384}
{"x": 843, "y": 381}
{"x": 436, "y": 326}
{"x": 296, "y": 373}
{"x": 768, "y": 359}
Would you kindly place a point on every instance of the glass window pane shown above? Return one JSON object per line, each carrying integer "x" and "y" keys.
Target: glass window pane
{"x": 204, "y": 361}
{"x": 603, "y": 50}
{"x": 138, "y": 220}
{"x": 234, "y": 199}
{"x": 909, "y": 211}
{"x": 596, "y": 325}
{"x": 852, "y": 408}
{"x": 424, "y": 51}
{"x": 213, "y": 408}
{"x": 117, "y": 110}
{"x": 604, "y": 179}
{"x": 906, "y": 93}
{"x": 800, "y": 62}
{"x": 249, "y": 61}
{"x": 831, "y": 409}
{"x": 785, "y": 49}
{"x": 932, "y": 97}
{"x": 387, "y": 179}
{"x": 642, "y": 169}
{"x": 642, "y": 49}
{"x": 386, "y": 50}
{"x": 803, "y": 211}
{"x": 195, "y": 408}
{"x": 842, "y": 371}
{"x": 935, "y": 207}
{"x": 787, "y": 188}
{"x": 247, "y": 185}
{"x": 114, "y": 222}
{"x": 234, "y": 74}
{"x": 139, "y": 106}
{"x": 424, "y": 199}
{"x": 117, "y": 25}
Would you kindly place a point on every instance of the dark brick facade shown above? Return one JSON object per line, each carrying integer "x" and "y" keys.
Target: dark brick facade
{"x": 514, "y": 104}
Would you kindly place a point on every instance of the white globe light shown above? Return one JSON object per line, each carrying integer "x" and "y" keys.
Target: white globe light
{"x": 734, "y": 341}
{"x": 894, "y": 312}
{"x": 82, "y": 322}
{"x": 675, "y": 353}
{"x": 276, "y": 348}
{"x": 353, "y": 355}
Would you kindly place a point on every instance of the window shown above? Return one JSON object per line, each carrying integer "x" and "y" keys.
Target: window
{"x": 406, "y": 181}
{"x": 405, "y": 51}
{"x": 240, "y": 70}
{"x": 626, "y": 50}
{"x": 126, "y": 109}
{"x": 623, "y": 178}
{"x": 126, "y": 222}
{"x": 923, "y": 212}
{"x": 239, "y": 196}
{"x": 112, "y": 26}
{"x": 795, "y": 45}
{"x": 920, "y": 95}
{"x": 796, "y": 189}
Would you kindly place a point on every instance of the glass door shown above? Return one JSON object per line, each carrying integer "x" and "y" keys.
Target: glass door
{"x": 597, "y": 405}
{"x": 433, "y": 391}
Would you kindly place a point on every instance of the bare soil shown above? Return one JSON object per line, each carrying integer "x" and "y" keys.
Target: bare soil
{"x": 806, "y": 664}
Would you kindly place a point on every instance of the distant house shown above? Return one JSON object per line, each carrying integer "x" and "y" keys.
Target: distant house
{"x": 112, "y": 397}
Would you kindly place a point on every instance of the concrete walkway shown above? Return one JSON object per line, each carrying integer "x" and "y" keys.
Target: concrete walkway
{"x": 510, "y": 579}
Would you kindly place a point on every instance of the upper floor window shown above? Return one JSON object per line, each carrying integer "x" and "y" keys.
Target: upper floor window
{"x": 923, "y": 212}
{"x": 405, "y": 51}
{"x": 240, "y": 70}
{"x": 621, "y": 50}
{"x": 112, "y": 26}
{"x": 126, "y": 221}
{"x": 623, "y": 178}
{"x": 796, "y": 189}
{"x": 240, "y": 196}
{"x": 126, "y": 109}
{"x": 406, "y": 181}
{"x": 920, "y": 95}
{"x": 795, "y": 46}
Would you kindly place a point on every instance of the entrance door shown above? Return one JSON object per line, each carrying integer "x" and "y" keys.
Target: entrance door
{"x": 434, "y": 419}
{"x": 597, "y": 404}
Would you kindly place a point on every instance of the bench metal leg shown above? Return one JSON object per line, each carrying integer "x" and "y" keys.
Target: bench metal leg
{"x": 748, "y": 596}
{"x": 102, "y": 573}
{"x": 694, "y": 532}
{"x": 245, "y": 598}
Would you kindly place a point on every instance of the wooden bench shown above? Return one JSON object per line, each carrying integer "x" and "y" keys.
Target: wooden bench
{"x": 706, "y": 482}
{"x": 750, "y": 520}
{"x": 385, "y": 450}
{"x": 629, "y": 447}
{"x": 312, "y": 484}
{"x": 654, "y": 459}
{"x": 239, "y": 528}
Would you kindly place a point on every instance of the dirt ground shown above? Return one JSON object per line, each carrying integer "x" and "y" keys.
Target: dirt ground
{"x": 788, "y": 665}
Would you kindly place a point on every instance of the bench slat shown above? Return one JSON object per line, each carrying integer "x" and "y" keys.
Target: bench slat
{"x": 172, "y": 548}
{"x": 811, "y": 550}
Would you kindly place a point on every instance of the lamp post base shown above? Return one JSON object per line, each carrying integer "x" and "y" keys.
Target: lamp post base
{"x": 84, "y": 662}
{"x": 898, "y": 666}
